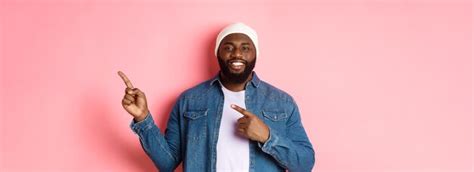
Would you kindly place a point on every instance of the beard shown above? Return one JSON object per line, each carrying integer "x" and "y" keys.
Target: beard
{"x": 236, "y": 78}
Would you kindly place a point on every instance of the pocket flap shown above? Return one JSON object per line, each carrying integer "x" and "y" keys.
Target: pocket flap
{"x": 195, "y": 114}
{"x": 275, "y": 116}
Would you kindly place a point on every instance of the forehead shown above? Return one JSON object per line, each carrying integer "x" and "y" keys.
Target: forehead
{"x": 236, "y": 38}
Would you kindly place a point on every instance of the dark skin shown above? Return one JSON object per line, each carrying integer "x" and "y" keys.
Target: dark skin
{"x": 234, "y": 48}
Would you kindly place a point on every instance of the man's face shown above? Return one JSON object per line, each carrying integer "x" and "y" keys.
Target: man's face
{"x": 237, "y": 57}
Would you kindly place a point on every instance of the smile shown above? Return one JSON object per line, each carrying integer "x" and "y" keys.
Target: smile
{"x": 237, "y": 64}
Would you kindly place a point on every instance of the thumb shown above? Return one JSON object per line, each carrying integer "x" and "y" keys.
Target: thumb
{"x": 241, "y": 110}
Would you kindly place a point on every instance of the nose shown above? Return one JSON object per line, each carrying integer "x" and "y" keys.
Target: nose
{"x": 237, "y": 53}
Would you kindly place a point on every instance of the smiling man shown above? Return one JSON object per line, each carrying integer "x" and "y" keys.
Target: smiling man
{"x": 234, "y": 122}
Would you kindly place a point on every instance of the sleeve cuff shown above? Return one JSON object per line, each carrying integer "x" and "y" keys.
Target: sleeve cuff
{"x": 267, "y": 146}
{"x": 141, "y": 126}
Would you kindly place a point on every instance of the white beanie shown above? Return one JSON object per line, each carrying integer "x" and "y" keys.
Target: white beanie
{"x": 238, "y": 28}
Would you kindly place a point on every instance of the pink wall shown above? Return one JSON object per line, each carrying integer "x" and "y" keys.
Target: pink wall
{"x": 383, "y": 85}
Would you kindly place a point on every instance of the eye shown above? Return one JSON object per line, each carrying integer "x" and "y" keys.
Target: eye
{"x": 245, "y": 48}
{"x": 228, "y": 48}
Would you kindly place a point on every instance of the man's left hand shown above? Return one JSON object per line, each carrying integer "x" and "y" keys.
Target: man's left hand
{"x": 251, "y": 126}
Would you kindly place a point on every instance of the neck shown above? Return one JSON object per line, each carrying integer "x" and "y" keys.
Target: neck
{"x": 233, "y": 86}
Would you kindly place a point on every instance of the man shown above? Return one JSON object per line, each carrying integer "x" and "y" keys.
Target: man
{"x": 232, "y": 122}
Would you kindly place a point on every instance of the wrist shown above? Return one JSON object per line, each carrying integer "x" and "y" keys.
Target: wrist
{"x": 266, "y": 136}
{"x": 141, "y": 117}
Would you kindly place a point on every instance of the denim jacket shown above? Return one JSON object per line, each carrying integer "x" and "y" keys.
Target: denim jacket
{"x": 193, "y": 130}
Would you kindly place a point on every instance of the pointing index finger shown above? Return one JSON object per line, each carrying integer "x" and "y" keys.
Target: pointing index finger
{"x": 241, "y": 110}
{"x": 125, "y": 79}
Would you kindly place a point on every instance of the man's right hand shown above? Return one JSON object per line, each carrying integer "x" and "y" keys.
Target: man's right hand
{"x": 134, "y": 101}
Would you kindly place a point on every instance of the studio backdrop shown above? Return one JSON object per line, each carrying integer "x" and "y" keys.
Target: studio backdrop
{"x": 382, "y": 85}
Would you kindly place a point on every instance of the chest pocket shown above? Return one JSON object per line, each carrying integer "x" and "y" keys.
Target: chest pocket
{"x": 196, "y": 126}
{"x": 275, "y": 116}
{"x": 276, "y": 120}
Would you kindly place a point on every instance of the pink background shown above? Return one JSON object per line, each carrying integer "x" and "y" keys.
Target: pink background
{"x": 382, "y": 85}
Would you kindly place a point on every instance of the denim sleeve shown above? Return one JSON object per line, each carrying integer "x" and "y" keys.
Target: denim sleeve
{"x": 163, "y": 150}
{"x": 293, "y": 151}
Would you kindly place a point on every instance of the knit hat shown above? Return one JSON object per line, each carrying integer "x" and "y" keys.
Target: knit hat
{"x": 237, "y": 28}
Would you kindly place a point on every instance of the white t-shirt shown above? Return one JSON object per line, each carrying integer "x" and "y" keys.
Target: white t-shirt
{"x": 232, "y": 148}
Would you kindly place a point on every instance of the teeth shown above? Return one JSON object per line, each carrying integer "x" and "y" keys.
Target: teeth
{"x": 237, "y": 63}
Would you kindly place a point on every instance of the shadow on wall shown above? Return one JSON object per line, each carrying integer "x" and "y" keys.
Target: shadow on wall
{"x": 213, "y": 66}
{"x": 104, "y": 132}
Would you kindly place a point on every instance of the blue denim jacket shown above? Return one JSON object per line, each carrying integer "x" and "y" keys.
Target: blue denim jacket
{"x": 193, "y": 130}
